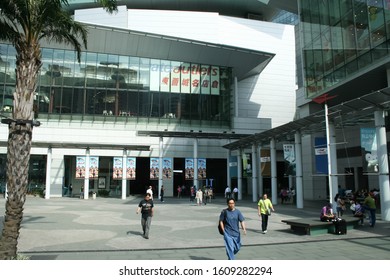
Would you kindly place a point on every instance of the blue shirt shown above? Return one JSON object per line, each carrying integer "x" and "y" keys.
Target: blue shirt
{"x": 232, "y": 221}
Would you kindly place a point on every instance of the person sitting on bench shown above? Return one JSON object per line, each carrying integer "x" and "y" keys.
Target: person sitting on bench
{"x": 327, "y": 213}
{"x": 359, "y": 212}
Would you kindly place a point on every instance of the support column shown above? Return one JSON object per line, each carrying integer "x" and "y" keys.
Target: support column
{"x": 196, "y": 163}
{"x": 260, "y": 175}
{"x": 383, "y": 162}
{"x": 254, "y": 173}
{"x": 124, "y": 174}
{"x": 229, "y": 178}
{"x": 332, "y": 158}
{"x": 86, "y": 178}
{"x": 298, "y": 170}
{"x": 274, "y": 179}
{"x": 48, "y": 173}
{"x": 239, "y": 174}
{"x": 160, "y": 172}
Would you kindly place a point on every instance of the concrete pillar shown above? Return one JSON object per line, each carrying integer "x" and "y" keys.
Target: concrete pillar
{"x": 228, "y": 175}
{"x": 124, "y": 174}
{"x": 160, "y": 172}
{"x": 196, "y": 163}
{"x": 260, "y": 175}
{"x": 274, "y": 178}
{"x": 239, "y": 174}
{"x": 383, "y": 162}
{"x": 86, "y": 179}
{"x": 48, "y": 173}
{"x": 254, "y": 173}
{"x": 298, "y": 170}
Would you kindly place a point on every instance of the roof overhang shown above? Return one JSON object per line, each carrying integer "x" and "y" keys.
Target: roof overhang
{"x": 355, "y": 112}
{"x": 244, "y": 62}
{"x": 264, "y": 8}
{"x": 192, "y": 134}
{"x": 97, "y": 146}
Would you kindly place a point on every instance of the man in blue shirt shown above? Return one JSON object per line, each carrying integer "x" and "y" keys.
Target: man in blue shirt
{"x": 230, "y": 220}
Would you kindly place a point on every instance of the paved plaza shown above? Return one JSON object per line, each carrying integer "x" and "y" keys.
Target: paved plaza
{"x": 109, "y": 229}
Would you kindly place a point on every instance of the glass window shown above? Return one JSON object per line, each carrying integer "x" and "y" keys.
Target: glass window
{"x": 112, "y": 85}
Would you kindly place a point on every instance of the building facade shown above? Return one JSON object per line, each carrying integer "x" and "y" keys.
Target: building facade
{"x": 152, "y": 95}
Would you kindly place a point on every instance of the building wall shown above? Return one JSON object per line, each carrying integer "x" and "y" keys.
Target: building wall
{"x": 268, "y": 95}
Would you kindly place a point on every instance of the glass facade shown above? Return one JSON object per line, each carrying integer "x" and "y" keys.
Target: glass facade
{"x": 123, "y": 88}
{"x": 340, "y": 38}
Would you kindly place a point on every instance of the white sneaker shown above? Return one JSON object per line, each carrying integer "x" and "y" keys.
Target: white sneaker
{"x": 264, "y": 232}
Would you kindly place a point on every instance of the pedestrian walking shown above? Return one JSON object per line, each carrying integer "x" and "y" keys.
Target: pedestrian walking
{"x": 146, "y": 208}
{"x": 150, "y": 191}
{"x": 264, "y": 208}
{"x": 235, "y": 193}
{"x": 199, "y": 197}
{"x": 227, "y": 192}
{"x": 230, "y": 220}
{"x": 162, "y": 194}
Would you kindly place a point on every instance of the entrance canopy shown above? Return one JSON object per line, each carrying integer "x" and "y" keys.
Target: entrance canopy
{"x": 347, "y": 114}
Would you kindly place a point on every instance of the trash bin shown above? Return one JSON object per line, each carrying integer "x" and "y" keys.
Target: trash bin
{"x": 93, "y": 195}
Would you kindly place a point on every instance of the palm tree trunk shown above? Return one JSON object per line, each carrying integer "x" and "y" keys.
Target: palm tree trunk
{"x": 18, "y": 157}
{"x": 28, "y": 63}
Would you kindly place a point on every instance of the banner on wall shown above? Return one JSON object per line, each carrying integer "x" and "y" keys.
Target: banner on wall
{"x": 202, "y": 168}
{"x": 195, "y": 78}
{"x": 189, "y": 169}
{"x": 154, "y": 168}
{"x": 205, "y": 83}
{"x": 246, "y": 165}
{"x": 265, "y": 163}
{"x": 233, "y": 166}
{"x": 369, "y": 150}
{"x": 167, "y": 168}
{"x": 93, "y": 167}
{"x": 165, "y": 71}
{"x": 173, "y": 76}
{"x": 130, "y": 166}
{"x": 289, "y": 159}
{"x": 214, "y": 80}
{"x": 80, "y": 167}
{"x": 321, "y": 154}
{"x": 117, "y": 168}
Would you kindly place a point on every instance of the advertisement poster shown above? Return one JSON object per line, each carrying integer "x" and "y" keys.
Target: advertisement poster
{"x": 130, "y": 166}
{"x": 369, "y": 150}
{"x": 80, "y": 167}
{"x": 246, "y": 165}
{"x": 154, "y": 168}
{"x": 289, "y": 159}
{"x": 233, "y": 166}
{"x": 189, "y": 169}
{"x": 265, "y": 163}
{"x": 202, "y": 168}
{"x": 167, "y": 168}
{"x": 321, "y": 153}
{"x": 93, "y": 167}
{"x": 117, "y": 168}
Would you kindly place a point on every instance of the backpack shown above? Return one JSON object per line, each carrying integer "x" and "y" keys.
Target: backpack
{"x": 221, "y": 231}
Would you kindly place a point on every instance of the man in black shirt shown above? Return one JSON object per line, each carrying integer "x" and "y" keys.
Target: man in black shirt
{"x": 146, "y": 208}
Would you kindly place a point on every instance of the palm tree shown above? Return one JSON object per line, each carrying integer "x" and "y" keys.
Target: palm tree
{"x": 24, "y": 23}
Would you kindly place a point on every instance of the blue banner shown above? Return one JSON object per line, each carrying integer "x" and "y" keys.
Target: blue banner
{"x": 233, "y": 166}
{"x": 369, "y": 149}
{"x": 321, "y": 153}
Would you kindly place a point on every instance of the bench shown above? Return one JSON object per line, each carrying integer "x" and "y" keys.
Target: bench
{"x": 313, "y": 226}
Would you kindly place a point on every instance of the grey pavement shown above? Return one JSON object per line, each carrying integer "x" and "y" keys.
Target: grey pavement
{"x": 109, "y": 229}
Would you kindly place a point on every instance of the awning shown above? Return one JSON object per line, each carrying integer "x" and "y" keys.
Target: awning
{"x": 358, "y": 111}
